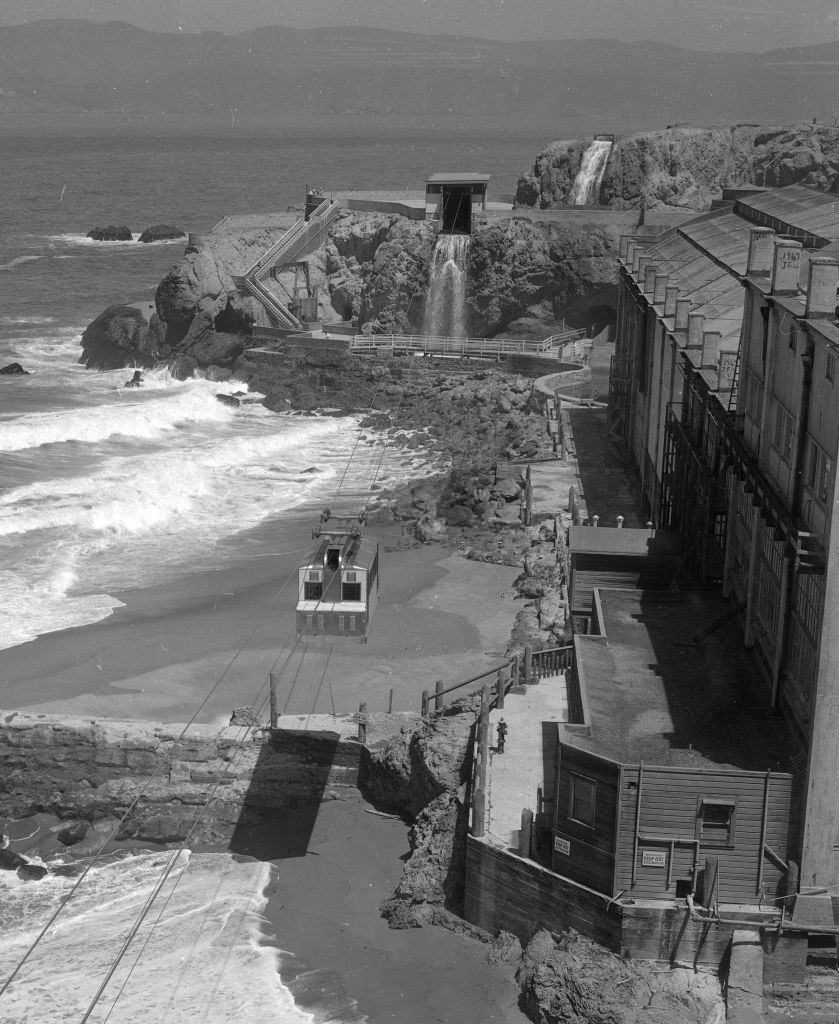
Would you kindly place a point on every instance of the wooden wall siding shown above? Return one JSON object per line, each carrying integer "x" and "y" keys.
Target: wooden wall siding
{"x": 615, "y": 572}
{"x": 504, "y": 891}
{"x": 669, "y": 803}
{"x": 591, "y": 860}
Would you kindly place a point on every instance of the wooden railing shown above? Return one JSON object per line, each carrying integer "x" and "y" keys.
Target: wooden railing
{"x": 506, "y": 676}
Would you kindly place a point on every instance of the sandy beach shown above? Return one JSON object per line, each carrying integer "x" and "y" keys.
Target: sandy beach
{"x": 440, "y": 617}
{"x": 348, "y": 964}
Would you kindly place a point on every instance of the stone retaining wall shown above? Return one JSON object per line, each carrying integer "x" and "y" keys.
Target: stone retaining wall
{"x": 85, "y": 769}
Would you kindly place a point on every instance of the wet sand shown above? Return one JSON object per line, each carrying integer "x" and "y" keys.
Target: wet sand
{"x": 209, "y": 641}
{"x": 347, "y": 964}
{"x": 205, "y": 645}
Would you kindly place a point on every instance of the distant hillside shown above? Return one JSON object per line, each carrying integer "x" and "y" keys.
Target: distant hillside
{"x": 65, "y": 72}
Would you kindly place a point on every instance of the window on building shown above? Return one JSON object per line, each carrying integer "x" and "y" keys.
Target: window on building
{"x": 350, "y": 591}
{"x": 819, "y": 469}
{"x": 715, "y": 822}
{"x": 830, "y": 368}
{"x": 783, "y": 432}
{"x": 312, "y": 591}
{"x": 754, "y": 397}
{"x": 582, "y": 799}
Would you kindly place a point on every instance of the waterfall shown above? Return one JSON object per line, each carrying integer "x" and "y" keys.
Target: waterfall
{"x": 586, "y": 188}
{"x": 445, "y": 314}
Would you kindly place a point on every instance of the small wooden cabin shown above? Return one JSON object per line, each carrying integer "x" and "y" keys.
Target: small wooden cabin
{"x": 674, "y": 781}
{"x": 625, "y": 559}
{"x": 338, "y": 587}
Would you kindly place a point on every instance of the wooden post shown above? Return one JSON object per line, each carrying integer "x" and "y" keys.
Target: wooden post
{"x": 426, "y": 697}
{"x": 528, "y": 664}
{"x": 478, "y": 810}
{"x": 362, "y": 722}
{"x": 272, "y": 692}
{"x": 528, "y": 497}
{"x": 390, "y": 702}
{"x": 526, "y": 833}
{"x": 438, "y": 700}
{"x": 499, "y": 690}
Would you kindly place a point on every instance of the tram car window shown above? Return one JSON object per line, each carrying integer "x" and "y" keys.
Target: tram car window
{"x": 339, "y": 584}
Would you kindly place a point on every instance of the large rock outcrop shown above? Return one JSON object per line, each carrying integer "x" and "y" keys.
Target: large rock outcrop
{"x": 122, "y": 336}
{"x": 522, "y": 277}
{"x": 421, "y": 774}
{"x": 689, "y": 167}
{"x": 570, "y": 980}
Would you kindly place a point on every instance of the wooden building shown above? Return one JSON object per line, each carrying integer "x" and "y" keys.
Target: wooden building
{"x": 668, "y": 788}
{"x": 622, "y": 559}
{"x": 338, "y": 587}
{"x": 735, "y": 437}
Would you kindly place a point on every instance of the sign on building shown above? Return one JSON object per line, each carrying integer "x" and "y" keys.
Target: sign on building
{"x": 654, "y": 858}
{"x": 562, "y": 846}
{"x": 728, "y": 360}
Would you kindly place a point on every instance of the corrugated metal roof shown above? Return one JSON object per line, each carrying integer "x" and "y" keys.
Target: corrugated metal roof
{"x": 797, "y": 207}
{"x": 724, "y": 236}
{"x": 713, "y": 290}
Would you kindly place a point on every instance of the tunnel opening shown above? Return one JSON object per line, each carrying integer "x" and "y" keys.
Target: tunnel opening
{"x": 456, "y": 210}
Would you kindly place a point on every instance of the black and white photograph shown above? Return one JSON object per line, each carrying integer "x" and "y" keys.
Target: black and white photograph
{"x": 419, "y": 427}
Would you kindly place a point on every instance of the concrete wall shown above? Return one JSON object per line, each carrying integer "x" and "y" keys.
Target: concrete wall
{"x": 572, "y": 379}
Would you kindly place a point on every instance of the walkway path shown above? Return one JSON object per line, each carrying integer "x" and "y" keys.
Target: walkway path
{"x": 527, "y": 763}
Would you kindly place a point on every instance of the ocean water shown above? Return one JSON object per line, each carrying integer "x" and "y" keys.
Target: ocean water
{"x": 103, "y": 489}
{"x": 199, "y": 954}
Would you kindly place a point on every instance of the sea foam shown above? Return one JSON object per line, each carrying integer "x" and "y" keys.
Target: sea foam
{"x": 198, "y": 955}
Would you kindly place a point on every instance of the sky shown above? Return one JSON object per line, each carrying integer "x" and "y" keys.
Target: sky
{"x": 695, "y": 24}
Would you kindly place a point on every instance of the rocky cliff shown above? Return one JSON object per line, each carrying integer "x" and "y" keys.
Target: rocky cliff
{"x": 689, "y": 167}
{"x": 522, "y": 276}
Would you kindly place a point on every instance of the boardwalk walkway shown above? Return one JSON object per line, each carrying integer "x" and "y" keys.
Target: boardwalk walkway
{"x": 527, "y": 763}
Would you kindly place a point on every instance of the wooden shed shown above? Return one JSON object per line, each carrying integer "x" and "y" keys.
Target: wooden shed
{"x": 677, "y": 783}
{"x": 626, "y": 559}
{"x": 338, "y": 586}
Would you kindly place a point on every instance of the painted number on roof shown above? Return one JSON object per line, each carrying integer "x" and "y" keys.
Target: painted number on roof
{"x": 654, "y": 858}
{"x": 562, "y": 846}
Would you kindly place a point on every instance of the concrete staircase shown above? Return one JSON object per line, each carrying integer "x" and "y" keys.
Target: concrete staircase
{"x": 527, "y": 764}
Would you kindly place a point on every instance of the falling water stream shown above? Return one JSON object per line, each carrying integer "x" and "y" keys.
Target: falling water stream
{"x": 446, "y": 308}
{"x": 586, "y": 188}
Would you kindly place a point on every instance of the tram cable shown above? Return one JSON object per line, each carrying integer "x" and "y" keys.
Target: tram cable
{"x": 164, "y": 760}
{"x": 158, "y": 887}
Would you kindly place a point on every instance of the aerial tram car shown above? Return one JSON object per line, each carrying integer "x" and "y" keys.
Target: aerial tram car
{"x": 338, "y": 587}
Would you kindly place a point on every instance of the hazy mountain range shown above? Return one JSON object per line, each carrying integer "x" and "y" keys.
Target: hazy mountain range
{"x": 68, "y": 72}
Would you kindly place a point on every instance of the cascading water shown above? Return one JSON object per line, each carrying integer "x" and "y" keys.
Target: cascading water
{"x": 445, "y": 315}
{"x": 586, "y": 188}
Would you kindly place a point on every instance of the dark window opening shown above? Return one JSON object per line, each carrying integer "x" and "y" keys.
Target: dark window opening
{"x": 716, "y": 823}
{"x": 456, "y": 210}
{"x": 683, "y": 888}
{"x": 351, "y": 592}
{"x": 582, "y": 800}
{"x": 312, "y": 591}
{"x": 333, "y": 559}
